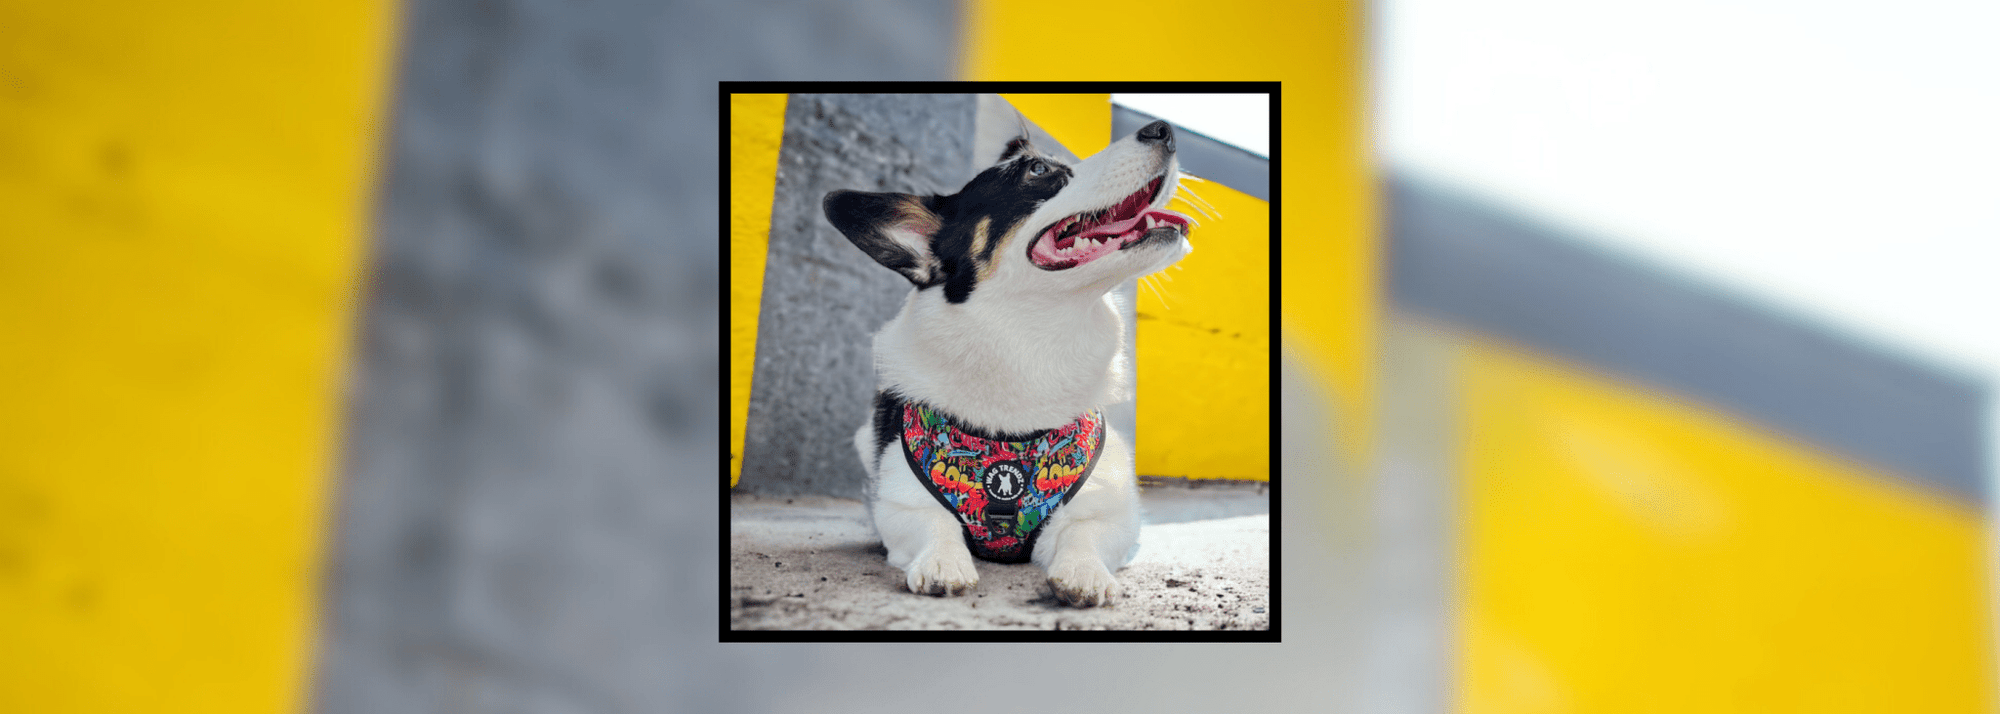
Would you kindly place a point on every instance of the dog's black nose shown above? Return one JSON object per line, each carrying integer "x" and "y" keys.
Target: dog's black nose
{"x": 1158, "y": 132}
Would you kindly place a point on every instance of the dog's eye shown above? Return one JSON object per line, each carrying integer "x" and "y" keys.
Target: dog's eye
{"x": 1037, "y": 168}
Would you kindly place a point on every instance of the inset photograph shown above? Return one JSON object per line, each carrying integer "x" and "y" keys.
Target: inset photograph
{"x": 1000, "y": 362}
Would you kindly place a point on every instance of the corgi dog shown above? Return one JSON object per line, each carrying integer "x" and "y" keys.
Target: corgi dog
{"x": 988, "y": 437}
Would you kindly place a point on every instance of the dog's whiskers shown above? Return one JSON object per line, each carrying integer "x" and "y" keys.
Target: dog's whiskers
{"x": 1191, "y": 198}
{"x": 1195, "y": 200}
{"x": 1155, "y": 288}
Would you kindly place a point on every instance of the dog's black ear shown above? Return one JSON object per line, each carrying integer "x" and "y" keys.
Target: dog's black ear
{"x": 893, "y": 228}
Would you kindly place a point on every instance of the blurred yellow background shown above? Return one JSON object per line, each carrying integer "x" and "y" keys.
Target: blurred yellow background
{"x": 1614, "y": 539}
{"x": 187, "y": 188}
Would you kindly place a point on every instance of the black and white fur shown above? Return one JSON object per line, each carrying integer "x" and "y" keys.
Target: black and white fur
{"x": 1010, "y": 347}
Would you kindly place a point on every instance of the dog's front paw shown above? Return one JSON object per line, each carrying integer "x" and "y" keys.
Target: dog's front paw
{"x": 944, "y": 571}
{"x": 1083, "y": 582}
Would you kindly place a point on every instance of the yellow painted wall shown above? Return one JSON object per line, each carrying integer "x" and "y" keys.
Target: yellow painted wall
{"x": 185, "y": 188}
{"x": 1082, "y": 122}
{"x": 1204, "y": 322}
{"x": 1623, "y": 552}
{"x": 756, "y": 128}
{"x": 1204, "y": 347}
{"x": 1328, "y": 268}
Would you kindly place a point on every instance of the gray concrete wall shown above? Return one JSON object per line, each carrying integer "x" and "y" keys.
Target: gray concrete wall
{"x": 814, "y": 382}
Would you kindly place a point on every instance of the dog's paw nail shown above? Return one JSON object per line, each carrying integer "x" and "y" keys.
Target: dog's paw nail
{"x": 943, "y": 577}
{"x": 1081, "y": 587}
{"x": 942, "y": 588}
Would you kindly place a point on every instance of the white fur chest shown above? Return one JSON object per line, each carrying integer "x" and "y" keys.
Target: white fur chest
{"x": 1018, "y": 364}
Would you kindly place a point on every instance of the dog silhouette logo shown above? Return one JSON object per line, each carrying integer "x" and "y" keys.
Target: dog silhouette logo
{"x": 1005, "y": 481}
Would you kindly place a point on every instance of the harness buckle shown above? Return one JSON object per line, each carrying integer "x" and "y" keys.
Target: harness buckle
{"x": 1003, "y": 513}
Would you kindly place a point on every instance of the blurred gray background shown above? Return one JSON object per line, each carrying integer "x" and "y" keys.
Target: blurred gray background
{"x": 527, "y": 517}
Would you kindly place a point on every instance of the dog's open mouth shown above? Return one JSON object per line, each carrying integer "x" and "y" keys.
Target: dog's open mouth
{"x": 1085, "y": 237}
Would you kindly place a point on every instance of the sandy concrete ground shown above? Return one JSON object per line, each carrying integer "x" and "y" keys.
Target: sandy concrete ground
{"x": 815, "y": 563}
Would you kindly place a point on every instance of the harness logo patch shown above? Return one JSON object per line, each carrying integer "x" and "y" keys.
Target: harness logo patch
{"x": 1005, "y": 481}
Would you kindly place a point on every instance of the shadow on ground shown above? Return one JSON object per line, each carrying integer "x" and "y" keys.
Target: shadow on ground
{"x": 815, "y": 563}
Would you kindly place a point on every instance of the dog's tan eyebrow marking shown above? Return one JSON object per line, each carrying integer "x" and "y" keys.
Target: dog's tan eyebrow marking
{"x": 1022, "y": 148}
{"x": 983, "y": 247}
{"x": 979, "y": 234}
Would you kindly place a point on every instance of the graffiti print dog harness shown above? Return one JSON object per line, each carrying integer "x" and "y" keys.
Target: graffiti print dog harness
{"x": 1002, "y": 491}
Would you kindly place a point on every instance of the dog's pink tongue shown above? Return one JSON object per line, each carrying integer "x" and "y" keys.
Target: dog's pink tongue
{"x": 1119, "y": 228}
